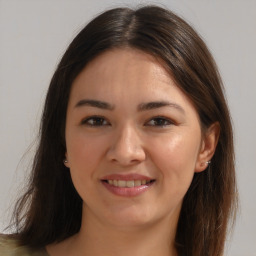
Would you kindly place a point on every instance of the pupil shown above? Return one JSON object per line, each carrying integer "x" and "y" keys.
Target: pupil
{"x": 98, "y": 121}
{"x": 159, "y": 121}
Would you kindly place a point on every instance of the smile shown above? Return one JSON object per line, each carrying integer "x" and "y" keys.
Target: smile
{"x": 128, "y": 183}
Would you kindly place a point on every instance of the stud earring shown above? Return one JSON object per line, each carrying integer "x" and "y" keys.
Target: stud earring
{"x": 65, "y": 161}
{"x": 208, "y": 162}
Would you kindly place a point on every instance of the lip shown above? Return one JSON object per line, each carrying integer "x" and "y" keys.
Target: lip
{"x": 125, "y": 191}
{"x": 130, "y": 176}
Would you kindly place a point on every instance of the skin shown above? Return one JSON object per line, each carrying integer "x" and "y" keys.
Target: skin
{"x": 164, "y": 143}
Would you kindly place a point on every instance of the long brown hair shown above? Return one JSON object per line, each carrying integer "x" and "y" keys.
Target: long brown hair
{"x": 50, "y": 210}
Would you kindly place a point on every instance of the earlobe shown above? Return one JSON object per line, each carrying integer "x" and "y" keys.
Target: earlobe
{"x": 208, "y": 146}
{"x": 65, "y": 161}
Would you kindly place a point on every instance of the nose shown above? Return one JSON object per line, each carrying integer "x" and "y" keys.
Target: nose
{"x": 126, "y": 148}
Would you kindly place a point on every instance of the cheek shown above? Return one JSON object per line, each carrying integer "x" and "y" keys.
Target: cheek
{"x": 177, "y": 149}
{"x": 175, "y": 158}
{"x": 84, "y": 153}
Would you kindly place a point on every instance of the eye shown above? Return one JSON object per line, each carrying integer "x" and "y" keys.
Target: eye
{"x": 159, "y": 121}
{"x": 95, "y": 121}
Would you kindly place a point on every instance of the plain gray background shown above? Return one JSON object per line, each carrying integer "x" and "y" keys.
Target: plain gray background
{"x": 33, "y": 37}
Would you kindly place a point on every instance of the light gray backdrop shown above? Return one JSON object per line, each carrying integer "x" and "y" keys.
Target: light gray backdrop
{"x": 34, "y": 35}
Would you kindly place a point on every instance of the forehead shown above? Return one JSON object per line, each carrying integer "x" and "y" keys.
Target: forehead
{"x": 126, "y": 74}
{"x": 131, "y": 65}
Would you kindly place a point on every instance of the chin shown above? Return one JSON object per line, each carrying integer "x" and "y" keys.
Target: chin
{"x": 131, "y": 217}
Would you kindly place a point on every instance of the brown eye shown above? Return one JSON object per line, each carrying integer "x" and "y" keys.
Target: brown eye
{"x": 159, "y": 121}
{"x": 95, "y": 121}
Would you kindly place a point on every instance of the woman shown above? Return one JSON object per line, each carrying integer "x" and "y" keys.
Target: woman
{"x": 136, "y": 150}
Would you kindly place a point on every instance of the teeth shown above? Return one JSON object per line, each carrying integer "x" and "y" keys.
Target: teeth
{"x": 137, "y": 183}
{"x": 128, "y": 183}
{"x": 121, "y": 183}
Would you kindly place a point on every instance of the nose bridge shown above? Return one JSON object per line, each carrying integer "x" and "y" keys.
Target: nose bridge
{"x": 126, "y": 147}
{"x": 129, "y": 138}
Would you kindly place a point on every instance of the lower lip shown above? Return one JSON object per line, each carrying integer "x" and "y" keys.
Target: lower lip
{"x": 127, "y": 192}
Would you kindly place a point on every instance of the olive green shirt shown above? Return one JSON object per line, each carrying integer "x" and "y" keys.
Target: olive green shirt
{"x": 10, "y": 247}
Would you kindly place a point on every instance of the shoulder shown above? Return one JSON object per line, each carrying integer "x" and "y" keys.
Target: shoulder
{"x": 11, "y": 247}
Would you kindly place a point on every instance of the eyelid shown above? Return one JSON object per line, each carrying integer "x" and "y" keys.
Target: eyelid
{"x": 105, "y": 121}
{"x": 85, "y": 120}
{"x": 170, "y": 121}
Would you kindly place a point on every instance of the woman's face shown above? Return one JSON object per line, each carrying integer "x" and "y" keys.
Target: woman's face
{"x": 133, "y": 140}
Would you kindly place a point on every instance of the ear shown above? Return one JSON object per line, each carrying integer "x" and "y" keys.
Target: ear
{"x": 65, "y": 161}
{"x": 208, "y": 146}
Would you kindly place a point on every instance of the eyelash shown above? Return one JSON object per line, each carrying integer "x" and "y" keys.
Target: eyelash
{"x": 95, "y": 118}
{"x": 98, "y": 121}
{"x": 163, "y": 121}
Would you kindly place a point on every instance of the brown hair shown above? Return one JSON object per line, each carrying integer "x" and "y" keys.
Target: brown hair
{"x": 50, "y": 210}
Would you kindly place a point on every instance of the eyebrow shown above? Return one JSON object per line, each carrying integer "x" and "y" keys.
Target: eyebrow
{"x": 141, "y": 107}
{"x": 95, "y": 103}
{"x": 159, "y": 104}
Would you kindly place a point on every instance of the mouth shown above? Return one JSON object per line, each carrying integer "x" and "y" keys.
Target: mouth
{"x": 128, "y": 183}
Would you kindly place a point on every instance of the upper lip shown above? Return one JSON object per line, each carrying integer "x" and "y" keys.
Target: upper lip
{"x": 131, "y": 176}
